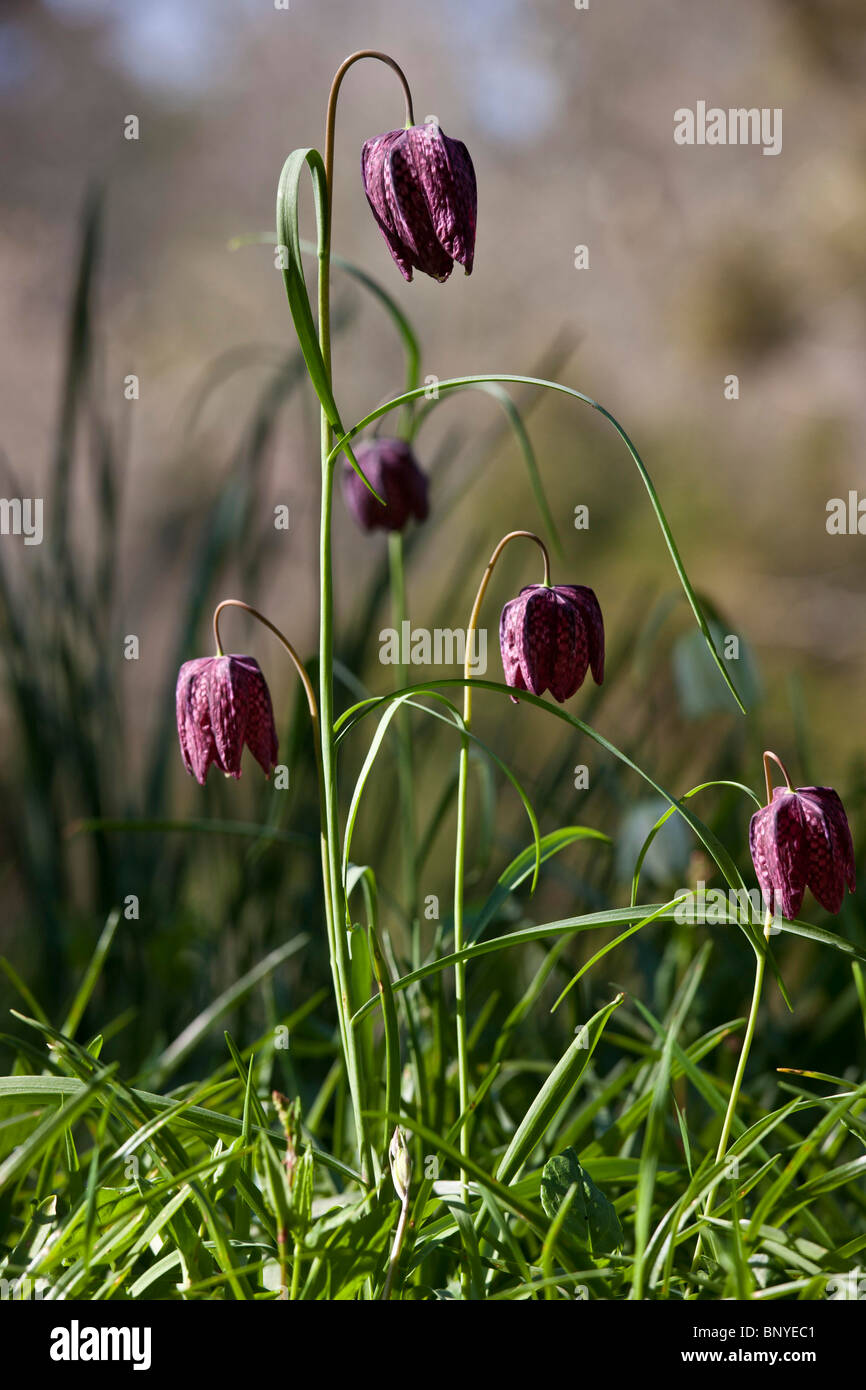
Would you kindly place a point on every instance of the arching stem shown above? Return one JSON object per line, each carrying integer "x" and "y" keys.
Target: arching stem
{"x": 281, "y": 637}
{"x": 331, "y": 870}
{"x": 479, "y": 599}
{"x": 460, "y": 847}
{"x": 332, "y": 922}
{"x": 331, "y": 118}
{"x": 768, "y": 774}
{"x": 760, "y": 963}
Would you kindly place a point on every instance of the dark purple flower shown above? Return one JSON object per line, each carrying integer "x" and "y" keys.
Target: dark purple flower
{"x": 390, "y": 466}
{"x": 549, "y": 637}
{"x": 802, "y": 840}
{"x": 421, "y": 187}
{"x": 223, "y": 703}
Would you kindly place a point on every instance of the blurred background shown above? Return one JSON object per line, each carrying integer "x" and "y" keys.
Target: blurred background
{"x": 703, "y": 263}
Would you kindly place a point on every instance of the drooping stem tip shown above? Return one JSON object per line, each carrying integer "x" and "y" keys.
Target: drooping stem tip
{"x": 479, "y": 599}
{"x": 768, "y": 775}
{"x": 331, "y": 118}
{"x": 299, "y": 665}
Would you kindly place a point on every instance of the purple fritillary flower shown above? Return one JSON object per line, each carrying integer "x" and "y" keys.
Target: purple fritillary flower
{"x": 392, "y": 470}
{"x": 550, "y": 637}
{"x": 421, "y": 187}
{"x": 223, "y": 703}
{"x": 802, "y": 840}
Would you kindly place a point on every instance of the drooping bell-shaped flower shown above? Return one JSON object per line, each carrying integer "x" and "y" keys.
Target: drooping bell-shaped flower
{"x": 421, "y": 187}
{"x": 223, "y": 702}
{"x": 549, "y": 637}
{"x": 802, "y": 840}
{"x": 391, "y": 468}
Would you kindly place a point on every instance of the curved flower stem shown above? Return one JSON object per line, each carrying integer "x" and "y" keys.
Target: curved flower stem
{"x": 760, "y": 963}
{"x": 335, "y": 909}
{"x": 479, "y": 599}
{"x": 768, "y": 775}
{"x": 331, "y": 118}
{"x": 335, "y": 933}
{"x": 266, "y": 622}
{"x": 460, "y": 847}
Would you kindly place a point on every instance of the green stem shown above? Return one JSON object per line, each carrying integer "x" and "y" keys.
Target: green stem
{"x": 405, "y": 778}
{"x": 768, "y": 775}
{"x": 460, "y": 846}
{"x": 760, "y": 963}
{"x": 332, "y": 876}
{"x": 396, "y": 1248}
{"x": 335, "y": 908}
{"x": 404, "y": 768}
{"x": 753, "y": 1017}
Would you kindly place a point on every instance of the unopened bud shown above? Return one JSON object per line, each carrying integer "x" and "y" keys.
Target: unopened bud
{"x": 401, "y": 1164}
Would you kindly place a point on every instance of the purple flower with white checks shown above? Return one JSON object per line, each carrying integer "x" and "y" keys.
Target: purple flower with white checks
{"x": 550, "y": 636}
{"x": 801, "y": 840}
{"x": 421, "y": 187}
{"x": 223, "y": 702}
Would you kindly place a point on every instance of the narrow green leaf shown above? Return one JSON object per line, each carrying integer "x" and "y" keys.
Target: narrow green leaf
{"x": 91, "y": 976}
{"x": 556, "y": 1090}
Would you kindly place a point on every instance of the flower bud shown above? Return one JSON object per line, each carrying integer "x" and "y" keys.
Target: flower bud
{"x": 401, "y": 1163}
{"x": 390, "y": 467}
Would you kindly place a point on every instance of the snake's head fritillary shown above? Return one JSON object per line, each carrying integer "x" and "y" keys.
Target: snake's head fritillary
{"x": 802, "y": 840}
{"x": 223, "y": 702}
{"x": 421, "y": 187}
{"x": 549, "y": 637}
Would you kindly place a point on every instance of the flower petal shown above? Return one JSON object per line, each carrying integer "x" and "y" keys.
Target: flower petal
{"x": 260, "y": 731}
{"x": 446, "y": 176}
{"x": 780, "y": 854}
{"x": 831, "y": 850}
{"x": 510, "y": 643}
{"x": 375, "y": 157}
{"x": 197, "y": 745}
{"x": 226, "y": 714}
{"x": 590, "y": 611}
{"x": 408, "y": 191}
{"x": 571, "y": 648}
{"x": 538, "y": 638}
